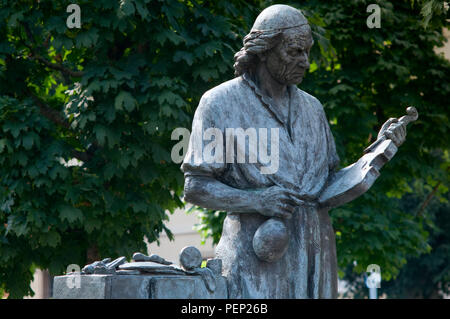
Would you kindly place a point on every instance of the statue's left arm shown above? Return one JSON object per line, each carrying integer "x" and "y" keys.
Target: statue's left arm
{"x": 352, "y": 181}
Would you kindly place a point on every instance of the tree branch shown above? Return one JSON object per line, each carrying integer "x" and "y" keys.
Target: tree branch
{"x": 42, "y": 60}
{"x": 57, "y": 67}
{"x": 51, "y": 114}
{"x": 56, "y": 118}
{"x": 429, "y": 197}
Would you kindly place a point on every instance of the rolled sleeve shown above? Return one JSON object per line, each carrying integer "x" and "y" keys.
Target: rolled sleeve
{"x": 197, "y": 162}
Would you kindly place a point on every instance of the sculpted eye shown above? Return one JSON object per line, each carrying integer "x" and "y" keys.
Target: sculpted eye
{"x": 294, "y": 52}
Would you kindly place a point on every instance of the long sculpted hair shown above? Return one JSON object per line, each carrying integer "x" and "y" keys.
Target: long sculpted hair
{"x": 259, "y": 42}
{"x": 256, "y": 42}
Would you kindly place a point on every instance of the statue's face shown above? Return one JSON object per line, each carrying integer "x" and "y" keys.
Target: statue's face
{"x": 288, "y": 61}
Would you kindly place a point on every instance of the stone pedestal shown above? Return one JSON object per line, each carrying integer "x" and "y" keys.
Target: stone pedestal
{"x": 136, "y": 287}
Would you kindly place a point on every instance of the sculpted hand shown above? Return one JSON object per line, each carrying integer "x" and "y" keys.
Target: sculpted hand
{"x": 276, "y": 201}
{"x": 394, "y": 130}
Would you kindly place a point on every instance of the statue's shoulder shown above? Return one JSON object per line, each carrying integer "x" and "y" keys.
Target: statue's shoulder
{"x": 308, "y": 97}
{"x": 223, "y": 91}
{"x": 311, "y": 100}
{"x": 215, "y": 101}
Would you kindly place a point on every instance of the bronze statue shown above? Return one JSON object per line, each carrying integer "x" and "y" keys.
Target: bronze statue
{"x": 277, "y": 240}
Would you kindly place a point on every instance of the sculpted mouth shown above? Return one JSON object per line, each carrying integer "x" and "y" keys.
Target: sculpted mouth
{"x": 298, "y": 74}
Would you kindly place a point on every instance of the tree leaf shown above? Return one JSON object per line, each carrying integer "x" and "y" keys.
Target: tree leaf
{"x": 125, "y": 100}
{"x": 69, "y": 213}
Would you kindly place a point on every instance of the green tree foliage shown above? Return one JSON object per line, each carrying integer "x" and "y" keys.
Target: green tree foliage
{"x": 86, "y": 117}
{"x": 374, "y": 75}
{"x": 426, "y": 276}
{"x": 432, "y": 10}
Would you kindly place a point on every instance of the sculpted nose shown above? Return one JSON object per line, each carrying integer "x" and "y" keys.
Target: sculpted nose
{"x": 304, "y": 63}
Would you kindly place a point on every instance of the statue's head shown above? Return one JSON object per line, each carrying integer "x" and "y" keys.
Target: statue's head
{"x": 281, "y": 39}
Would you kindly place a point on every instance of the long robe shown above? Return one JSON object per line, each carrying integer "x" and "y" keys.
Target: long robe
{"x": 307, "y": 156}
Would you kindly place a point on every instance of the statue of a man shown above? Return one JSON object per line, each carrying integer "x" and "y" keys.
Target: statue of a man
{"x": 264, "y": 94}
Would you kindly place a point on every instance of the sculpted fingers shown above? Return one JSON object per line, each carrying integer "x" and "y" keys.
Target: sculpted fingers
{"x": 297, "y": 200}
{"x": 287, "y": 202}
{"x": 295, "y": 196}
{"x": 280, "y": 202}
{"x": 284, "y": 207}
{"x": 388, "y": 123}
{"x": 394, "y": 130}
{"x": 283, "y": 215}
{"x": 289, "y": 199}
{"x": 390, "y": 135}
{"x": 397, "y": 133}
{"x": 402, "y": 131}
{"x": 286, "y": 211}
{"x": 386, "y": 126}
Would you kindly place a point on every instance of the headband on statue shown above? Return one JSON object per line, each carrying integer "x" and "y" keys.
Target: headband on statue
{"x": 277, "y": 18}
{"x": 279, "y": 29}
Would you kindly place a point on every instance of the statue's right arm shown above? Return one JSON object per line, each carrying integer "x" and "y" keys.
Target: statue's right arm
{"x": 207, "y": 192}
